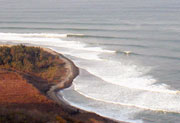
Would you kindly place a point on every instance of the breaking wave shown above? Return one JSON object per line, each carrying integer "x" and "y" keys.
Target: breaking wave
{"x": 45, "y": 35}
{"x": 137, "y": 105}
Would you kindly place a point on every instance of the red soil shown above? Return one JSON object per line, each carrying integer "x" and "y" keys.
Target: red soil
{"x": 15, "y": 89}
{"x": 18, "y": 95}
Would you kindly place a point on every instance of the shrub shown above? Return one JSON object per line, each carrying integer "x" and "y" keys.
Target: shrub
{"x": 30, "y": 60}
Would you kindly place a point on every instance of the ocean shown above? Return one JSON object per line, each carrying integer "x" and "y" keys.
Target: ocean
{"x": 128, "y": 52}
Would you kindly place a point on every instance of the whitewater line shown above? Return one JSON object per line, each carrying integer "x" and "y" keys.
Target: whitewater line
{"x": 165, "y": 91}
{"x": 125, "y": 104}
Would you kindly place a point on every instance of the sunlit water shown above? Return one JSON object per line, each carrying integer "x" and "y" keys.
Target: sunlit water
{"x": 142, "y": 86}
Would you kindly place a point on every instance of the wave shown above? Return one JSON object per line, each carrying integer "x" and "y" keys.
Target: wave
{"x": 165, "y": 57}
{"x": 126, "y": 75}
{"x": 51, "y": 40}
{"x": 100, "y": 90}
{"x": 75, "y": 35}
{"x": 85, "y": 103}
{"x": 56, "y": 38}
{"x": 71, "y": 23}
{"x": 146, "y": 55}
{"x": 74, "y": 29}
{"x": 128, "y": 104}
{"x": 46, "y": 35}
{"x": 93, "y": 23}
{"x": 51, "y": 35}
{"x": 105, "y": 30}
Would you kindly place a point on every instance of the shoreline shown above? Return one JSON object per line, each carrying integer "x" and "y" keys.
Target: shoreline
{"x": 71, "y": 73}
{"x": 74, "y": 72}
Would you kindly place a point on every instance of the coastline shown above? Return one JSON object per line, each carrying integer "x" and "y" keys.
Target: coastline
{"x": 67, "y": 82}
{"x": 72, "y": 73}
{"x": 52, "y": 91}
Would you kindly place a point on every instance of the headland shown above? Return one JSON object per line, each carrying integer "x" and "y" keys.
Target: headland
{"x": 30, "y": 78}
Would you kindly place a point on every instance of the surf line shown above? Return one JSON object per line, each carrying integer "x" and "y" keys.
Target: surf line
{"x": 175, "y": 92}
{"x": 126, "y": 104}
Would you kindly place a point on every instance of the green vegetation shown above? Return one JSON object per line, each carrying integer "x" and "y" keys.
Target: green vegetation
{"x": 32, "y": 60}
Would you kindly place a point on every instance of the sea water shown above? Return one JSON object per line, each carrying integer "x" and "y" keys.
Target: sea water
{"x": 128, "y": 52}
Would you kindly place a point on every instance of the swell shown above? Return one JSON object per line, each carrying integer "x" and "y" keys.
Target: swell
{"x": 43, "y": 22}
{"x": 56, "y": 35}
{"x": 146, "y": 55}
{"x": 108, "y": 29}
{"x": 80, "y": 35}
{"x": 74, "y": 35}
{"x": 60, "y": 35}
{"x": 76, "y": 29}
{"x": 89, "y": 23}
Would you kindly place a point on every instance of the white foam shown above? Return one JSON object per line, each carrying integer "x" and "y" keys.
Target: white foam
{"x": 135, "y": 88}
{"x": 51, "y": 40}
{"x": 79, "y": 53}
{"x": 95, "y": 88}
{"x": 115, "y": 112}
{"x": 126, "y": 75}
{"x": 154, "y": 102}
{"x": 45, "y": 35}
